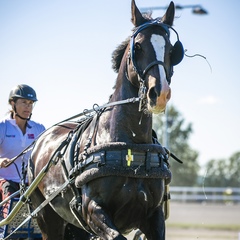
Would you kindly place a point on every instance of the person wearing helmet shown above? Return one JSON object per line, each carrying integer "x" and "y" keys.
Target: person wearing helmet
{"x": 17, "y": 132}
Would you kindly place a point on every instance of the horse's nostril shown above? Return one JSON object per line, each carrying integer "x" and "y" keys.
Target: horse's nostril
{"x": 152, "y": 94}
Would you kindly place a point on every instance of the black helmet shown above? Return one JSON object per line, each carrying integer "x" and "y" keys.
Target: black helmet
{"x": 22, "y": 91}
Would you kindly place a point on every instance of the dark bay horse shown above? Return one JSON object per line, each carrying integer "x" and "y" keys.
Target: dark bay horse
{"x": 116, "y": 172}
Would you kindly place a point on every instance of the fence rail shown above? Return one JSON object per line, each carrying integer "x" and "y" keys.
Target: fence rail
{"x": 201, "y": 194}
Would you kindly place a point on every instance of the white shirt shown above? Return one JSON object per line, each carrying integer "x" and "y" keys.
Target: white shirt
{"x": 13, "y": 142}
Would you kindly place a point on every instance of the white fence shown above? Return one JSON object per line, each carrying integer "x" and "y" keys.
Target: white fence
{"x": 201, "y": 194}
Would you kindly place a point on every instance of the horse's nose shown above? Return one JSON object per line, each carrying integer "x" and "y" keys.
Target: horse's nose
{"x": 154, "y": 89}
{"x": 158, "y": 95}
{"x": 153, "y": 94}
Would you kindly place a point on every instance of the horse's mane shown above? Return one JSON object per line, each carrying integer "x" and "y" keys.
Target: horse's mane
{"x": 118, "y": 53}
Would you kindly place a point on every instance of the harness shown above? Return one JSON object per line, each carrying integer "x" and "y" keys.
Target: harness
{"x": 113, "y": 159}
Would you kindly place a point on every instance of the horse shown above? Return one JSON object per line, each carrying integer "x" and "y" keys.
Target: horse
{"x": 106, "y": 174}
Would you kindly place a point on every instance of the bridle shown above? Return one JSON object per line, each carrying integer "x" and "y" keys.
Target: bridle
{"x": 142, "y": 73}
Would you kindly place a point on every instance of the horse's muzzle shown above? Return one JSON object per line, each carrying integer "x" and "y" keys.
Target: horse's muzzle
{"x": 157, "y": 96}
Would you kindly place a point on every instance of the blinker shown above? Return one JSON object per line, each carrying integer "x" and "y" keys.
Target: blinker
{"x": 177, "y": 53}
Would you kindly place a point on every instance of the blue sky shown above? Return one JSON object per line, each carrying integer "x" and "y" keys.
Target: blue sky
{"x": 63, "y": 50}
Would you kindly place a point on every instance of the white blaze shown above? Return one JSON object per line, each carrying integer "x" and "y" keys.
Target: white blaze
{"x": 158, "y": 43}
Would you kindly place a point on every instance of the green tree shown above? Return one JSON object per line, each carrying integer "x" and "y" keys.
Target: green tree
{"x": 223, "y": 172}
{"x": 178, "y": 133}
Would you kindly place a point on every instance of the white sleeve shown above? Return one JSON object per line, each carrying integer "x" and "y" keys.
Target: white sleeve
{"x": 2, "y": 131}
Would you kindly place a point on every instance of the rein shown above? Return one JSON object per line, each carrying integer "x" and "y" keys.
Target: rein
{"x": 97, "y": 108}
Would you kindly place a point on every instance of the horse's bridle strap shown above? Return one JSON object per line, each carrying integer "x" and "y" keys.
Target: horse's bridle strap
{"x": 150, "y": 65}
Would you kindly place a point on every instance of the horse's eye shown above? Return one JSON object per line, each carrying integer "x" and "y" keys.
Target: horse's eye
{"x": 137, "y": 46}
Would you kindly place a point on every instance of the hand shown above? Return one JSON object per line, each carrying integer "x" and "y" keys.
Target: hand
{"x": 4, "y": 162}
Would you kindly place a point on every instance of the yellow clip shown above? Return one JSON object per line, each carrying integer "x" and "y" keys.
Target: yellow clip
{"x": 129, "y": 157}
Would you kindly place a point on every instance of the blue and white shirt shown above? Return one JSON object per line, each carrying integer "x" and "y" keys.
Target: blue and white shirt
{"x": 13, "y": 142}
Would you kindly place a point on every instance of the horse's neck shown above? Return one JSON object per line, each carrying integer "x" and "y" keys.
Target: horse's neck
{"x": 131, "y": 126}
{"x": 125, "y": 123}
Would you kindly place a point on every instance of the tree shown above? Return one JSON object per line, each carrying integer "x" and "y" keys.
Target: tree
{"x": 223, "y": 172}
{"x": 178, "y": 132}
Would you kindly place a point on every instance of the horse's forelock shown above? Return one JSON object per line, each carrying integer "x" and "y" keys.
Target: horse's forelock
{"x": 148, "y": 15}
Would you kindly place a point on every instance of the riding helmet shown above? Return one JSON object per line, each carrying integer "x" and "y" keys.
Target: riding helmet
{"x": 22, "y": 91}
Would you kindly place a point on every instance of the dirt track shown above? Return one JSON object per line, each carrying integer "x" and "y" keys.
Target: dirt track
{"x": 203, "y": 222}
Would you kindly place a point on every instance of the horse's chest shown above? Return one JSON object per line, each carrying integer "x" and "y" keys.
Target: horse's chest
{"x": 145, "y": 192}
{"x": 124, "y": 192}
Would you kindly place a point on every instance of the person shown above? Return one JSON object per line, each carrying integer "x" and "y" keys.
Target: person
{"x": 17, "y": 132}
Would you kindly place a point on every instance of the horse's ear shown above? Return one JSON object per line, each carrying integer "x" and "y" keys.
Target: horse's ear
{"x": 137, "y": 18}
{"x": 169, "y": 15}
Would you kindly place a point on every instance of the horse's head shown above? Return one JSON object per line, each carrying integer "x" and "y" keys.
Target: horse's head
{"x": 152, "y": 56}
